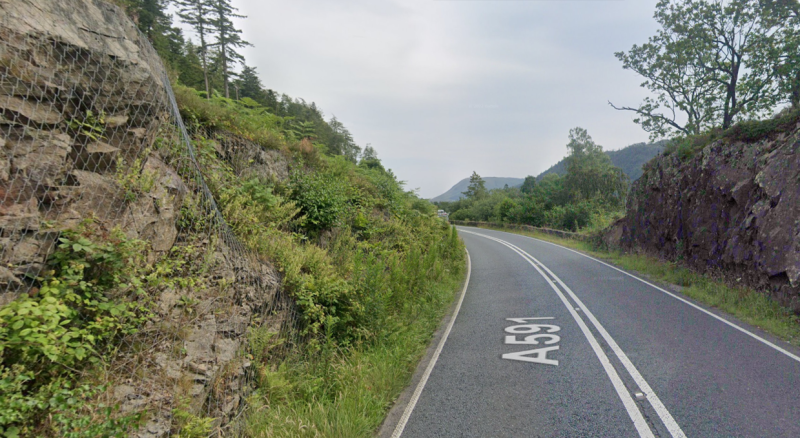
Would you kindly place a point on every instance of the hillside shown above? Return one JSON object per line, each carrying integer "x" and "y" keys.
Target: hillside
{"x": 177, "y": 263}
{"x": 629, "y": 159}
{"x": 454, "y": 194}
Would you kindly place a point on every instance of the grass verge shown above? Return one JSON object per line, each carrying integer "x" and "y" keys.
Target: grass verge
{"x": 747, "y": 305}
{"x": 346, "y": 392}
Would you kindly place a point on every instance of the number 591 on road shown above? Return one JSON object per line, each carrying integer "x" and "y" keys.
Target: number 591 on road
{"x": 527, "y": 333}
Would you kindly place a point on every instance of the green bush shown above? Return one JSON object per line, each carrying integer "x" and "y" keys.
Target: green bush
{"x": 68, "y": 323}
{"x": 321, "y": 197}
{"x": 755, "y": 130}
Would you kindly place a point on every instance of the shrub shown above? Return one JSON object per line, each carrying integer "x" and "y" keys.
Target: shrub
{"x": 82, "y": 305}
{"x": 321, "y": 197}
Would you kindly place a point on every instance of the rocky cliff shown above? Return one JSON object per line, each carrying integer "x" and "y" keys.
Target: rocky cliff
{"x": 88, "y": 130}
{"x": 732, "y": 207}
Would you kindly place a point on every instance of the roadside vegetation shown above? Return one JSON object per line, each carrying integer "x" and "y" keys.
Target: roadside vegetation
{"x": 715, "y": 70}
{"x": 590, "y": 195}
{"x": 368, "y": 264}
{"x": 748, "y": 305}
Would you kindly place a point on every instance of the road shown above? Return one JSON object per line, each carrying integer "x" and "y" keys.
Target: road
{"x": 550, "y": 343}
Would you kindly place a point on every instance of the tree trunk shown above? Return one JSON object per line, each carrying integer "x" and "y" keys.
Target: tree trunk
{"x": 225, "y": 70}
{"x": 205, "y": 76}
{"x": 731, "y": 107}
{"x": 204, "y": 50}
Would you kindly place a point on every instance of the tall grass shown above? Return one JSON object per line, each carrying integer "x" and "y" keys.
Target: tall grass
{"x": 340, "y": 390}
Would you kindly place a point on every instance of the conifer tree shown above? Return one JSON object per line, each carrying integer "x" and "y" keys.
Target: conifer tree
{"x": 228, "y": 38}
{"x": 149, "y": 15}
{"x": 250, "y": 85}
{"x": 196, "y": 13}
{"x": 190, "y": 67}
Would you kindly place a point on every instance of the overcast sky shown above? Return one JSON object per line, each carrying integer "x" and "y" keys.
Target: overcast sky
{"x": 444, "y": 87}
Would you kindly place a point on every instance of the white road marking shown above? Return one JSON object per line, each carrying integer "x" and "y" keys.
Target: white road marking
{"x": 524, "y": 320}
{"x": 630, "y": 405}
{"x": 670, "y": 423}
{"x": 398, "y": 430}
{"x": 538, "y": 355}
{"x": 679, "y": 298}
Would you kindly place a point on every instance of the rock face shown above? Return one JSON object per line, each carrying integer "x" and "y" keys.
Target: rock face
{"x": 733, "y": 208}
{"x": 248, "y": 159}
{"x": 82, "y": 103}
{"x": 80, "y": 93}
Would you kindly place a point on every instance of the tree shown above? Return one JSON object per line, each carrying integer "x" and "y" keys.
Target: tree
{"x": 528, "y": 185}
{"x": 785, "y": 56}
{"x": 703, "y": 66}
{"x": 369, "y": 153}
{"x": 504, "y": 208}
{"x": 190, "y": 67}
{"x": 196, "y": 13}
{"x": 476, "y": 188}
{"x": 590, "y": 173}
{"x": 228, "y": 38}
{"x": 369, "y": 158}
{"x": 153, "y": 21}
{"x": 149, "y": 15}
{"x": 250, "y": 85}
{"x": 340, "y": 141}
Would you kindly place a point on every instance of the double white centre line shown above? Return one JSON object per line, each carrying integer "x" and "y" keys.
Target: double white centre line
{"x": 627, "y": 400}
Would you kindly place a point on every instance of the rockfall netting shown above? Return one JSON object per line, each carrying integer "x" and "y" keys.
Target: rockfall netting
{"x": 90, "y": 129}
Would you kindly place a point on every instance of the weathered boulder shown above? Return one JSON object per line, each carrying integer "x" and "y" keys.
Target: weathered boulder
{"x": 733, "y": 208}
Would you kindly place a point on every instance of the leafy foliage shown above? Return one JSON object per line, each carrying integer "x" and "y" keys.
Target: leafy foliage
{"x": 80, "y": 308}
{"x": 322, "y": 198}
{"x": 685, "y": 147}
{"x": 590, "y": 193}
{"x": 476, "y": 188}
{"x": 713, "y": 63}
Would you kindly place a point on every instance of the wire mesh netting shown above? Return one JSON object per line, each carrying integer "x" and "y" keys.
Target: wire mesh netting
{"x": 90, "y": 130}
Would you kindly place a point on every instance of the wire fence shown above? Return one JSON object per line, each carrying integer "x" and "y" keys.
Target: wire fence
{"x": 90, "y": 129}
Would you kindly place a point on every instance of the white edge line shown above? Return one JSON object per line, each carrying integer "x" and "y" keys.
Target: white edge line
{"x": 711, "y": 314}
{"x": 672, "y": 425}
{"x": 630, "y": 405}
{"x": 398, "y": 430}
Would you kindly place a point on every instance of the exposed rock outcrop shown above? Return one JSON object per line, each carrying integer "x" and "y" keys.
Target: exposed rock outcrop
{"x": 733, "y": 208}
{"x": 82, "y": 103}
{"x": 80, "y": 92}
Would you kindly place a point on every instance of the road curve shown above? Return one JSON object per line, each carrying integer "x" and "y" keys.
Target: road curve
{"x": 551, "y": 343}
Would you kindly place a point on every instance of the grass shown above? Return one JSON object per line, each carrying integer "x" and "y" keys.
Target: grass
{"x": 347, "y": 392}
{"x": 749, "y": 131}
{"x": 746, "y": 304}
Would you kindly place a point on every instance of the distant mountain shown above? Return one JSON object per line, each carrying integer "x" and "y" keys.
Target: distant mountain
{"x": 629, "y": 159}
{"x": 454, "y": 194}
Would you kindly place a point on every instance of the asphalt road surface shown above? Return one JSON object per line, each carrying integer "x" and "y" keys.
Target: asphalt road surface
{"x": 551, "y": 343}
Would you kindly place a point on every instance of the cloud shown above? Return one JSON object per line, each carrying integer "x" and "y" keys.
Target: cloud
{"x": 442, "y": 88}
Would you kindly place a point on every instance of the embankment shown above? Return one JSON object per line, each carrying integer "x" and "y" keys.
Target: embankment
{"x": 730, "y": 207}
